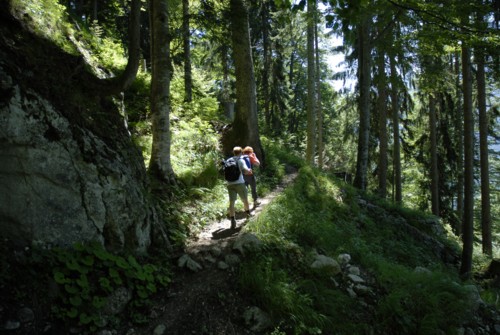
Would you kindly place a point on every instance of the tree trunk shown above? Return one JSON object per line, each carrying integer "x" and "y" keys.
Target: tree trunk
{"x": 483, "y": 149}
{"x": 121, "y": 83}
{"x": 434, "y": 171}
{"x": 186, "y": 36}
{"x": 382, "y": 126}
{"x": 160, "y": 166}
{"x": 364, "y": 79}
{"x": 245, "y": 130}
{"x": 460, "y": 148}
{"x": 266, "y": 47}
{"x": 318, "y": 102}
{"x": 311, "y": 84}
{"x": 226, "y": 89}
{"x": 468, "y": 217}
{"x": 398, "y": 194}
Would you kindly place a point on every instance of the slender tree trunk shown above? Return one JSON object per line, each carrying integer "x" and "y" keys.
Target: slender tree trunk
{"x": 160, "y": 165}
{"x": 398, "y": 194}
{"x": 186, "y": 36}
{"x": 382, "y": 126}
{"x": 460, "y": 148}
{"x": 245, "y": 129}
{"x": 95, "y": 10}
{"x": 483, "y": 149}
{"x": 226, "y": 90}
{"x": 434, "y": 171}
{"x": 364, "y": 79}
{"x": 311, "y": 84}
{"x": 266, "y": 46}
{"x": 468, "y": 217}
{"x": 318, "y": 100}
{"x": 121, "y": 83}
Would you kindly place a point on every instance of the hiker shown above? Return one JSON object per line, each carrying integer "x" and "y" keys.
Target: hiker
{"x": 237, "y": 187}
{"x": 252, "y": 161}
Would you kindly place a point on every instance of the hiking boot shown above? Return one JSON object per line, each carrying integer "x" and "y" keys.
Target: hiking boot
{"x": 248, "y": 214}
{"x": 233, "y": 223}
{"x": 256, "y": 203}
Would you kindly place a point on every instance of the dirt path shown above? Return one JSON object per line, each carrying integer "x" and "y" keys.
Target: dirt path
{"x": 218, "y": 232}
{"x": 207, "y": 301}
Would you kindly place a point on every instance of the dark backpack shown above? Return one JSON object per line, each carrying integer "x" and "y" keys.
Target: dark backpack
{"x": 231, "y": 169}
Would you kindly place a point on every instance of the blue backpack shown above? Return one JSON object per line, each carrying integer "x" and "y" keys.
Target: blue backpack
{"x": 247, "y": 161}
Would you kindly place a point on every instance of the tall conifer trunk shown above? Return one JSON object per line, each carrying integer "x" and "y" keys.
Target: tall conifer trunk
{"x": 468, "y": 217}
{"x": 188, "y": 80}
{"x": 398, "y": 193}
{"x": 434, "y": 171}
{"x": 382, "y": 125}
{"x": 459, "y": 146}
{"x": 311, "y": 84}
{"x": 319, "y": 107}
{"x": 364, "y": 80}
{"x": 483, "y": 150}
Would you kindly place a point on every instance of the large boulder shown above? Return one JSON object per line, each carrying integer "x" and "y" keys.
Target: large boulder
{"x": 69, "y": 171}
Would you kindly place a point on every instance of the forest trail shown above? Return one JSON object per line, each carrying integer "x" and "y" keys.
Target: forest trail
{"x": 218, "y": 232}
{"x": 206, "y": 299}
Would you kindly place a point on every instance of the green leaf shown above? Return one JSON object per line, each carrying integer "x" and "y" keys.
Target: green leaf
{"x": 149, "y": 268}
{"x": 98, "y": 302}
{"x": 85, "y": 319}
{"x": 72, "y": 313}
{"x": 83, "y": 281}
{"x": 73, "y": 265}
{"x": 142, "y": 293}
{"x": 88, "y": 260}
{"x": 122, "y": 263}
{"x": 75, "y": 301}
{"x": 103, "y": 255}
{"x": 60, "y": 278}
{"x": 133, "y": 262}
{"x": 113, "y": 273}
{"x": 79, "y": 246}
{"x": 105, "y": 284}
{"x": 71, "y": 289}
{"x": 151, "y": 287}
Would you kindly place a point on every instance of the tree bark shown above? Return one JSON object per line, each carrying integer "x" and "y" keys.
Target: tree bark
{"x": 245, "y": 130}
{"x": 398, "y": 194}
{"x": 382, "y": 126}
{"x": 468, "y": 217}
{"x": 186, "y": 36}
{"x": 318, "y": 102}
{"x": 121, "y": 83}
{"x": 311, "y": 84}
{"x": 460, "y": 148}
{"x": 364, "y": 79}
{"x": 266, "y": 47}
{"x": 483, "y": 150}
{"x": 434, "y": 171}
{"x": 160, "y": 165}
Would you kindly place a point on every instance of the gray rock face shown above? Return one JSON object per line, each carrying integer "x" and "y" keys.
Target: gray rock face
{"x": 61, "y": 183}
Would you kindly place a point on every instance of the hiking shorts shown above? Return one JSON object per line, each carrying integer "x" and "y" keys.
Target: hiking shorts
{"x": 237, "y": 189}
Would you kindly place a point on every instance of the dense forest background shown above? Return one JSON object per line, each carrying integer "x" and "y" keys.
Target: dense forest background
{"x": 420, "y": 127}
{"x": 409, "y": 120}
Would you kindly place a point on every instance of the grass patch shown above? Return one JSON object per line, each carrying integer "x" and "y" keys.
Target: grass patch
{"x": 320, "y": 214}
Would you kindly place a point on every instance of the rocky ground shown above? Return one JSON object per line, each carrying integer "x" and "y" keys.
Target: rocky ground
{"x": 203, "y": 298}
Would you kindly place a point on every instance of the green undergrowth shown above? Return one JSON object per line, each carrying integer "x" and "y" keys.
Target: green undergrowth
{"x": 83, "y": 287}
{"x": 320, "y": 214}
{"x": 201, "y": 197}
